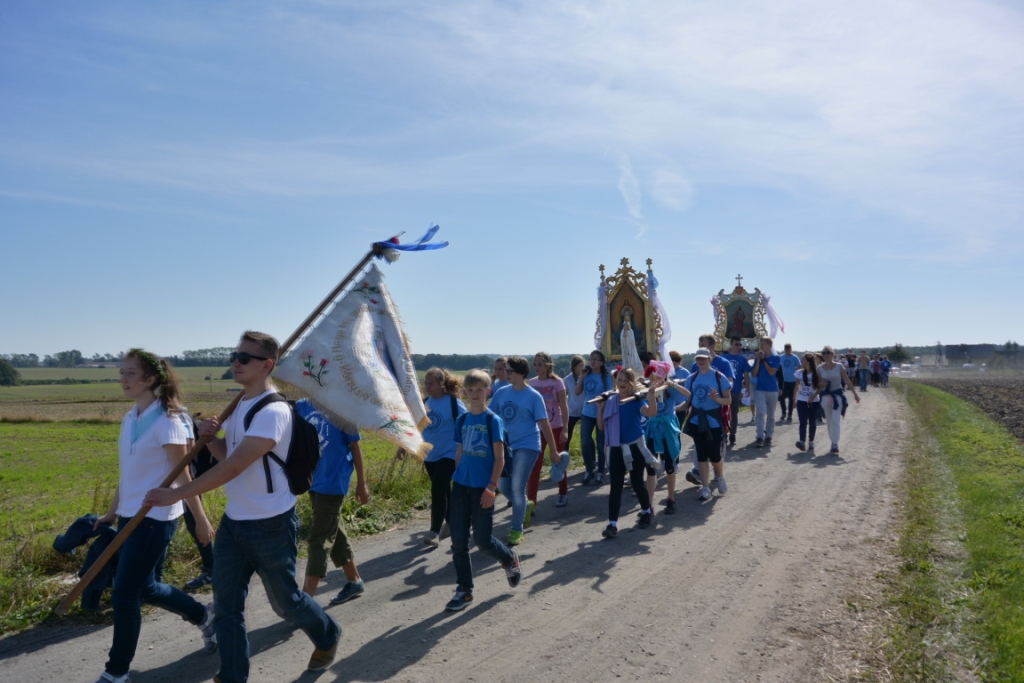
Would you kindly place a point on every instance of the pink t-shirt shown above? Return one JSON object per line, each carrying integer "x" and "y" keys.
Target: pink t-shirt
{"x": 549, "y": 390}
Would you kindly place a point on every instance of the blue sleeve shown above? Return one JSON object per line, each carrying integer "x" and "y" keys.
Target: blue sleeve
{"x": 726, "y": 368}
{"x": 458, "y": 432}
{"x": 351, "y": 438}
{"x": 774, "y": 361}
{"x": 498, "y": 426}
{"x": 693, "y": 368}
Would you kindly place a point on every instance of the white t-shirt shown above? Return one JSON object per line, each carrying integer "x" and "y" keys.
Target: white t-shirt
{"x": 247, "y": 493}
{"x": 805, "y": 389}
{"x": 143, "y": 465}
{"x": 575, "y": 402}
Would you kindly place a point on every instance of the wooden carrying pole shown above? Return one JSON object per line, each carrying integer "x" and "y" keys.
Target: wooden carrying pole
{"x": 127, "y": 529}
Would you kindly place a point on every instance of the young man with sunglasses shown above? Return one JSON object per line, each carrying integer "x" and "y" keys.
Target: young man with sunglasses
{"x": 257, "y": 533}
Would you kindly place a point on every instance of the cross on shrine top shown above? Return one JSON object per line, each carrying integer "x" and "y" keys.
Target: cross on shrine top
{"x": 739, "y": 281}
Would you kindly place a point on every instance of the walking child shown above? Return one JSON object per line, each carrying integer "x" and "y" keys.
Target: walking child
{"x": 574, "y": 400}
{"x": 479, "y": 458}
{"x": 627, "y": 453}
{"x": 595, "y": 381}
{"x": 443, "y": 408}
{"x": 808, "y": 401}
{"x": 152, "y": 441}
{"x": 710, "y": 390}
{"x": 662, "y": 431}
{"x": 552, "y": 390}
{"x": 832, "y": 378}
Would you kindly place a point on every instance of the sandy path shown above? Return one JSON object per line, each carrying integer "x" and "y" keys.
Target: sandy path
{"x": 750, "y": 586}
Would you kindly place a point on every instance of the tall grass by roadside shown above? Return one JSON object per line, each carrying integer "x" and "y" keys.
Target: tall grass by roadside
{"x": 959, "y": 596}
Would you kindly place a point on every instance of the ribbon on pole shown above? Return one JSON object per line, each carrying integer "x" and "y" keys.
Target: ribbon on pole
{"x": 389, "y": 249}
{"x": 666, "y": 328}
{"x": 355, "y": 366}
{"x": 602, "y": 321}
{"x": 773, "y": 318}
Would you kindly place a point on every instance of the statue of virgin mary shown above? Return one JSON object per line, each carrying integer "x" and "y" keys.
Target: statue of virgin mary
{"x": 630, "y": 356}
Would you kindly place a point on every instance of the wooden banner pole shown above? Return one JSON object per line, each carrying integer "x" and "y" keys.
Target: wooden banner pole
{"x": 128, "y": 528}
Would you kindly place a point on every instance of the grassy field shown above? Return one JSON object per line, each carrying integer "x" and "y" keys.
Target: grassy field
{"x": 960, "y": 593}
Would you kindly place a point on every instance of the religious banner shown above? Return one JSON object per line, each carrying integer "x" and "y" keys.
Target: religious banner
{"x": 355, "y": 366}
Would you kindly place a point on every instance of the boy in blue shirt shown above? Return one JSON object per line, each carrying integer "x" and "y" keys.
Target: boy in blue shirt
{"x": 740, "y": 368}
{"x": 766, "y": 391}
{"x": 479, "y": 458}
{"x": 790, "y": 363}
{"x": 340, "y": 455}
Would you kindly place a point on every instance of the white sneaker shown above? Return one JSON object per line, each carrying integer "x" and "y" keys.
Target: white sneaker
{"x": 446, "y": 531}
{"x": 722, "y": 486}
{"x": 206, "y": 628}
{"x": 705, "y": 493}
{"x": 107, "y": 678}
{"x": 432, "y": 540}
{"x": 562, "y": 501}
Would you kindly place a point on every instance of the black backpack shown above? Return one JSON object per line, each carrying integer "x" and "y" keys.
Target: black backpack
{"x": 303, "y": 450}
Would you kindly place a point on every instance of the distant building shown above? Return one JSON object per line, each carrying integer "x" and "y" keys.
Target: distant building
{"x": 969, "y": 353}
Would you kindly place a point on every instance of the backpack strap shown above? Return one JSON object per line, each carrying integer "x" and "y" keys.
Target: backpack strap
{"x": 260, "y": 405}
{"x": 455, "y": 406}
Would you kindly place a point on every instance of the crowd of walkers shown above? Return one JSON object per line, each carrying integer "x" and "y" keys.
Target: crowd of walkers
{"x": 488, "y": 432}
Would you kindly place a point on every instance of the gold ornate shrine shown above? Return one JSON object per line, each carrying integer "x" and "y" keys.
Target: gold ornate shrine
{"x": 740, "y": 314}
{"x": 627, "y": 301}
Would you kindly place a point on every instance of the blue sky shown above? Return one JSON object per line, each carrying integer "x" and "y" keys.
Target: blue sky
{"x": 173, "y": 173}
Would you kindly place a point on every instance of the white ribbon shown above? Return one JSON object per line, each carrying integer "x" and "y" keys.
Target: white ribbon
{"x": 602, "y": 321}
{"x": 666, "y": 328}
{"x": 773, "y": 318}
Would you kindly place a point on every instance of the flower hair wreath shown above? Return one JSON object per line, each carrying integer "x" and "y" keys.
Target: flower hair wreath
{"x": 156, "y": 367}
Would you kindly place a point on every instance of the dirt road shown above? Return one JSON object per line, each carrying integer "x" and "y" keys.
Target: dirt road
{"x": 751, "y": 586}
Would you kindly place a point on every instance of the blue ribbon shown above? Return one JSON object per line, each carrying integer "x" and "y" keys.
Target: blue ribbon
{"x": 422, "y": 244}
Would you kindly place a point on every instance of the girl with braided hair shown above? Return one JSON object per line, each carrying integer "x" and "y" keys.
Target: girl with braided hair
{"x": 153, "y": 440}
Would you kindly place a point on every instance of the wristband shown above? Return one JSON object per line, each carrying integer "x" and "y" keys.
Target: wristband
{"x": 490, "y": 493}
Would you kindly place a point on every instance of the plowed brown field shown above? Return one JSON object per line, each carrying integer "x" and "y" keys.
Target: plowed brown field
{"x": 1001, "y": 397}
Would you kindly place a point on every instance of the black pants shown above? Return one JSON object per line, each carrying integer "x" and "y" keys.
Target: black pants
{"x": 637, "y": 479}
{"x": 440, "y": 472}
{"x": 573, "y": 421}
{"x": 205, "y": 551}
{"x": 787, "y": 398}
{"x": 808, "y": 418}
{"x": 734, "y": 423}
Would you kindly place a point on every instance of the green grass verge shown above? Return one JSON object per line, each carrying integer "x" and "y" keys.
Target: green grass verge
{"x": 960, "y": 591}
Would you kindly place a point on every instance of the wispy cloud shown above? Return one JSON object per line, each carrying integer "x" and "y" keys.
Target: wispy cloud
{"x": 629, "y": 187}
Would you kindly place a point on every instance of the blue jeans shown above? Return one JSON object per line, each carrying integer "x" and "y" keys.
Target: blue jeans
{"x": 465, "y": 513}
{"x": 266, "y": 547}
{"x": 134, "y": 583}
{"x": 863, "y": 376}
{"x": 515, "y": 486}
{"x": 588, "y": 425}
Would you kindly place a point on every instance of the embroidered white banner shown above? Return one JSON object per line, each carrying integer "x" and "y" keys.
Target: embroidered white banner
{"x": 355, "y": 366}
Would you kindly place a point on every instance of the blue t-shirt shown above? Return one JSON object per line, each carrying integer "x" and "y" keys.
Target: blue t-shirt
{"x": 498, "y": 384}
{"x": 520, "y": 411}
{"x": 477, "y": 462}
{"x": 441, "y": 432}
{"x": 886, "y": 367}
{"x": 700, "y": 387}
{"x": 594, "y": 384}
{"x": 669, "y": 399}
{"x": 334, "y": 471}
{"x": 630, "y": 421}
{"x": 740, "y": 366}
{"x": 680, "y": 373}
{"x": 790, "y": 364}
{"x": 718, "y": 363}
{"x": 764, "y": 380}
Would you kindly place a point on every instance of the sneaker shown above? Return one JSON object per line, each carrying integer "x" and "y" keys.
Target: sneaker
{"x": 768, "y": 442}
{"x": 588, "y": 479}
{"x": 670, "y": 507}
{"x": 810, "y": 445}
{"x": 204, "y": 579}
{"x": 705, "y": 493}
{"x": 563, "y": 500}
{"x": 732, "y": 440}
{"x": 350, "y": 591}
{"x": 432, "y": 540}
{"x": 110, "y": 678}
{"x": 801, "y": 445}
{"x": 790, "y": 418}
{"x": 834, "y": 450}
{"x": 692, "y": 478}
{"x": 206, "y": 628}
{"x": 644, "y": 520}
{"x": 530, "y": 506}
{"x": 759, "y": 443}
{"x": 514, "y": 569}
{"x": 446, "y": 532}
{"x": 321, "y": 659}
{"x": 722, "y": 485}
{"x": 460, "y": 600}
{"x": 599, "y": 479}
{"x": 514, "y": 537}
{"x": 610, "y": 531}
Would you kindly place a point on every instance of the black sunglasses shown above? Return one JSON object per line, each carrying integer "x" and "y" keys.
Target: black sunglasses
{"x": 243, "y": 358}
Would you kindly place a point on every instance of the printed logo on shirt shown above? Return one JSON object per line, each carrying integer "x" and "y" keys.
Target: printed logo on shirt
{"x": 435, "y": 420}
{"x": 700, "y": 393}
{"x": 474, "y": 441}
{"x": 508, "y": 411}
{"x": 591, "y": 385}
